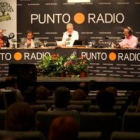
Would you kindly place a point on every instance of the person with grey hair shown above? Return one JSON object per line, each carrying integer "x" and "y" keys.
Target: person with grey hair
{"x": 130, "y": 41}
{"x": 69, "y": 36}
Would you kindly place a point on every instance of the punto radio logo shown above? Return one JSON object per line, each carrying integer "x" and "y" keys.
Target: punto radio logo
{"x": 5, "y": 10}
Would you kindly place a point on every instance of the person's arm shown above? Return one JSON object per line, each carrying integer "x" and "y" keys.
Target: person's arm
{"x": 23, "y": 43}
{"x": 134, "y": 43}
{"x": 37, "y": 41}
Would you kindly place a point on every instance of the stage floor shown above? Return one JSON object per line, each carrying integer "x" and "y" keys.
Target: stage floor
{"x": 81, "y": 79}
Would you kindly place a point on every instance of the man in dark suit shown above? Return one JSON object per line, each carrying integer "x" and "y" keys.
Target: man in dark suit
{"x": 4, "y": 42}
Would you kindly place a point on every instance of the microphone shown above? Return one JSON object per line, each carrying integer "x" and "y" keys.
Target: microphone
{"x": 11, "y": 36}
{"x": 69, "y": 35}
{"x": 106, "y": 37}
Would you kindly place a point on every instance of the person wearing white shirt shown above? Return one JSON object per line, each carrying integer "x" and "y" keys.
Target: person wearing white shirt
{"x": 130, "y": 41}
{"x": 69, "y": 36}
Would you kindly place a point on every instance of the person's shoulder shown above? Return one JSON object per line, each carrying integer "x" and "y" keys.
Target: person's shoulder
{"x": 75, "y": 32}
{"x": 5, "y": 37}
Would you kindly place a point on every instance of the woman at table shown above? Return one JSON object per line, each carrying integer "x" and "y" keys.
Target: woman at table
{"x": 30, "y": 41}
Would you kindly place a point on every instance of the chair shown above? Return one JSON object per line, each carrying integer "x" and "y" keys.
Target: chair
{"x": 131, "y": 122}
{"x": 40, "y": 107}
{"x": 9, "y": 97}
{"x": 125, "y": 136}
{"x": 79, "y": 108}
{"x": 98, "y": 121}
{"x": 131, "y": 108}
{"x": 93, "y": 99}
{"x": 85, "y": 103}
{"x": 44, "y": 118}
{"x": 2, "y": 102}
{"x": 90, "y": 136}
{"x": 48, "y": 103}
{"x": 2, "y": 119}
{"x": 96, "y": 108}
{"x": 30, "y": 135}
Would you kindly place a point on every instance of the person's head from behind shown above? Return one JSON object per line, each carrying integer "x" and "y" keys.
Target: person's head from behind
{"x": 19, "y": 117}
{"x": 105, "y": 100}
{"x": 135, "y": 97}
{"x": 79, "y": 94}
{"x": 30, "y": 95}
{"x": 127, "y": 31}
{"x": 92, "y": 85}
{"x": 69, "y": 28}
{"x": 112, "y": 90}
{"x": 62, "y": 97}
{"x": 42, "y": 93}
{"x": 11, "y": 81}
{"x": 64, "y": 128}
{"x": 29, "y": 34}
{"x": 84, "y": 87}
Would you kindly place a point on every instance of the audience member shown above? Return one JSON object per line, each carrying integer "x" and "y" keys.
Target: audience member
{"x": 84, "y": 87}
{"x": 11, "y": 84}
{"x": 138, "y": 106}
{"x": 30, "y": 41}
{"x": 64, "y": 128}
{"x": 105, "y": 100}
{"x": 42, "y": 93}
{"x": 4, "y": 42}
{"x": 130, "y": 41}
{"x": 62, "y": 98}
{"x": 30, "y": 95}
{"x": 135, "y": 97}
{"x": 79, "y": 94}
{"x": 19, "y": 117}
{"x": 112, "y": 90}
{"x": 92, "y": 85}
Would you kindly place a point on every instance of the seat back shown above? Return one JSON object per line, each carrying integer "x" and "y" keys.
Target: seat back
{"x": 125, "y": 136}
{"x": 2, "y": 119}
{"x": 26, "y": 135}
{"x": 44, "y": 118}
{"x": 131, "y": 122}
{"x": 90, "y": 135}
{"x": 40, "y": 107}
{"x": 98, "y": 121}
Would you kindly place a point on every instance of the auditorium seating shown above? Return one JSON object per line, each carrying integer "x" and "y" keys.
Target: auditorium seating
{"x": 98, "y": 121}
{"x": 25, "y": 135}
{"x": 90, "y": 135}
{"x": 131, "y": 122}
{"x": 44, "y": 118}
{"x": 2, "y": 119}
{"x": 125, "y": 136}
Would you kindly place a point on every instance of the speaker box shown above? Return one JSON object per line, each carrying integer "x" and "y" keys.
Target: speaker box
{"x": 23, "y": 72}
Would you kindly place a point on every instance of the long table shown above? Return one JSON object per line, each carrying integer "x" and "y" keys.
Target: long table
{"x": 123, "y": 63}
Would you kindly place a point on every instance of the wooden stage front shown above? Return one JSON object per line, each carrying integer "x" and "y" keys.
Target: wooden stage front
{"x": 73, "y": 82}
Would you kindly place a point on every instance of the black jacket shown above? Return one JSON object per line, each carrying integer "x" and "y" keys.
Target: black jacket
{"x": 6, "y": 41}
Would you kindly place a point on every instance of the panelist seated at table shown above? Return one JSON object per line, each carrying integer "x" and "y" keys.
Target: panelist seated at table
{"x": 30, "y": 41}
{"x": 130, "y": 41}
{"x": 4, "y": 41}
{"x": 69, "y": 36}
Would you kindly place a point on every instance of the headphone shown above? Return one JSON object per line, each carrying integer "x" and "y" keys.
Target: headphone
{"x": 130, "y": 31}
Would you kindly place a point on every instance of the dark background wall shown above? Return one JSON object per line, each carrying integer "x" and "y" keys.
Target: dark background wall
{"x": 47, "y": 18}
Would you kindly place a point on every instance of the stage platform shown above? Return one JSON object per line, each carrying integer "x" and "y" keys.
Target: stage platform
{"x": 73, "y": 82}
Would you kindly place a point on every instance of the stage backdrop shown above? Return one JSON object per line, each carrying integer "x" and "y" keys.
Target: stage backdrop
{"x": 94, "y": 20}
{"x": 8, "y": 16}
